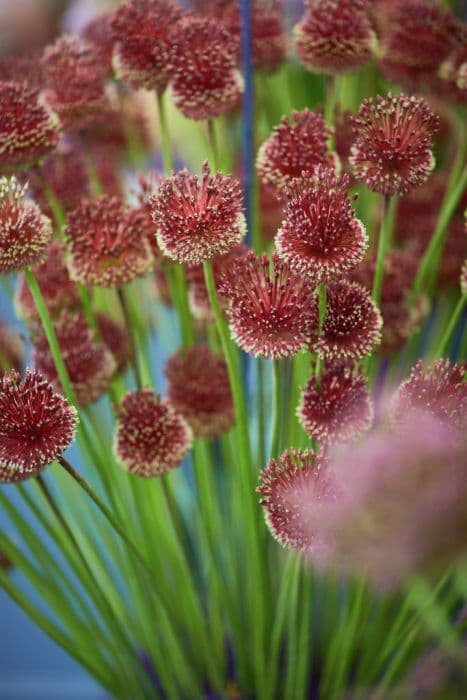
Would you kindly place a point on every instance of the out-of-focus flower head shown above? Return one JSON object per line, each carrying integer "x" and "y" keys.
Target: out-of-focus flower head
{"x": 197, "y": 292}
{"x": 294, "y": 149}
{"x": 22, "y": 69}
{"x": 438, "y": 389}
{"x": 204, "y": 79}
{"x": 105, "y": 243}
{"x": 74, "y": 82}
{"x": 400, "y": 320}
{"x": 199, "y": 389}
{"x": 453, "y": 72}
{"x": 392, "y": 152}
{"x": 57, "y": 288}
{"x": 198, "y": 218}
{"x": 36, "y": 425}
{"x": 334, "y": 36}
{"x": 115, "y": 335}
{"x": 463, "y": 280}
{"x": 28, "y": 128}
{"x": 11, "y": 349}
{"x": 352, "y": 326}
{"x": 89, "y": 363}
{"x": 151, "y": 437}
{"x": 416, "y": 38}
{"x": 98, "y": 33}
{"x": 24, "y": 230}
{"x": 337, "y": 408}
{"x": 270, "y": 310}
{"x": 320, "y": 236}
{"x": 294, "y": 489}
{"x": 143, "y": 47}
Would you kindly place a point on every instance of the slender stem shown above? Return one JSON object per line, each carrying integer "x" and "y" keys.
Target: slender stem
{"x": 167, "y": 158}
{"x": 178, "y": 290}
{"x": 58, "y": 212}
{"x": 248, "y": 121}
{"x": 453, "y": 321}
{"x": 131, "y": 337}
{"x": 276, "y": 409}
{"x": 383, "y": 245}
{"x": 322, "y": 298}
{"x": 330, "y": 107}
{"x": 213, "y": 145}
{"x": 86, "y": 303}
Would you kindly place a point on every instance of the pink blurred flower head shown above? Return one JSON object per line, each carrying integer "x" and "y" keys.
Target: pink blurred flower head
{"x": 320, "y": 236}
{"x": 151, "y": 437}
{"x": 270, "y": 307}
{"x": 392, "y": 152}
{"x": 36, "y": 425}
{"x": 294, "y": 149}
{"x": 198, "y": 218}
{"x": 24, "y": 230}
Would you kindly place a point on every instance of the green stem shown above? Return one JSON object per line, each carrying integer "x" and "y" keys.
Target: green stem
{"x": 86, "y": 303}
{"x": 276, "y": 409}
{"x": 383, "y": 246}
{"x": 179, "y": 293}
{"x": 322, "y": 298}
{"x": 330, "y": 107}
{"x": 213, "y": 145}
{"x": 131, "y": 336}
{"x": 165, "y": 136}
{"x": 454, "y": 320}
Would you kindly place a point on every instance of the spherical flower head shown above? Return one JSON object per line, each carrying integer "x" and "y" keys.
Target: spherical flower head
{"x": 24, "y": 230}
{"x": 352, "y": 326}
{"x": 439, "y": 389}
{"x": 198, "y": 218}
{"x": 36, "y": 425}
{"x": 57, "y": 288}
{"x": 334, "y": 36}
{"x": 293, "y": 490}
{"x": 152, "y": 437}
{"x": 199, "y": 389}
{"x": 270, "y": 309}
{"x": 141, "y": 32}
{"x": 90, "y": 364}
{"x": 294, "y": 149}
{"x": 28, "y": 129}
{"x": 337, "y": 408}
{"x": 392, "y": 152}
{"x": 320, "y": 236}
{"x": 98, "y": 33}
{"x": 74, "y": 82}
{"x": 452, "y": 71}
{"x": 204, "y": 80}
{"x": 11, "y": 349}
{"x": 105, "y": 243}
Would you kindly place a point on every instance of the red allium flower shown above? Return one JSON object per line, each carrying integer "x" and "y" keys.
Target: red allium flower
{"x": 24, "y": 230}
{"x": 198, "y": 218}
{"x": 74, "y": 82}
{"x": 199, "y": 388}
{"x": 143, "y": 48}
{"x": 204, "y": 80}
{"x": 418, "y": 37}
{"x": 151, "y": 438}
{"x": 334, "y": 36}
{"x": 58, "y": 290}
{"x": 22, "y": 69}
{"x": 115, "y": 336}
{"x": 197, "y": 292}
{"x": 98, "y": 33}
{"x": 90, "y": 364}
{"x": 337, "y": 409}
{"x": 293, "y": 491}
{"x": 352, "y": 326}
{"x": 439, "y": 390}
{"x": 453, "y": 73}
{"x": 105, "y": 242}
{"x": 11, "y": 349}
{"x": 294, "y": 149}
{"x": 271, "y": 210}
{"x": 320, "y": 236}
{"x": 392, "y": 152}
{"x": 36, "y": 425}
{"x": 28, "y": 129}
{"x": 271, "y": 309}
{"x": 400, "y": 320}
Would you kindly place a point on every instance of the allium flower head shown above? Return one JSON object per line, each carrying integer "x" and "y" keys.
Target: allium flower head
{"x": 352, "y": 326}
{"x": 90, "y": 364}
{"x": 199, "y": 388}
{"x": 204, "y": 79}
{"x": 320, "y": 236}
{"x": 28, "y": 129}
{"x": 392, "y": 152}
{"x": 453, "y": 72}
{"x": 151, "y": 438}
{"x": 11, "y": 349}
{"x": 439, "y": 389}
{"x": 105, "y": 243}
{"x": 294, "y": 149}
{"x": 293, "y": 490}
{"x": 24, "y": 230}
{"x": 198, "y": 218}
{"x": 98, "y": 33}
{"x": 270, "y": 309}
{"x": 338, "y": 408}
{"x": 57, "y": 288}
{"x": 36, "y": 425}
{"x": 74, "y": 82}
{"x": 334, "y": 36}
{"x": 141, "y": 31}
